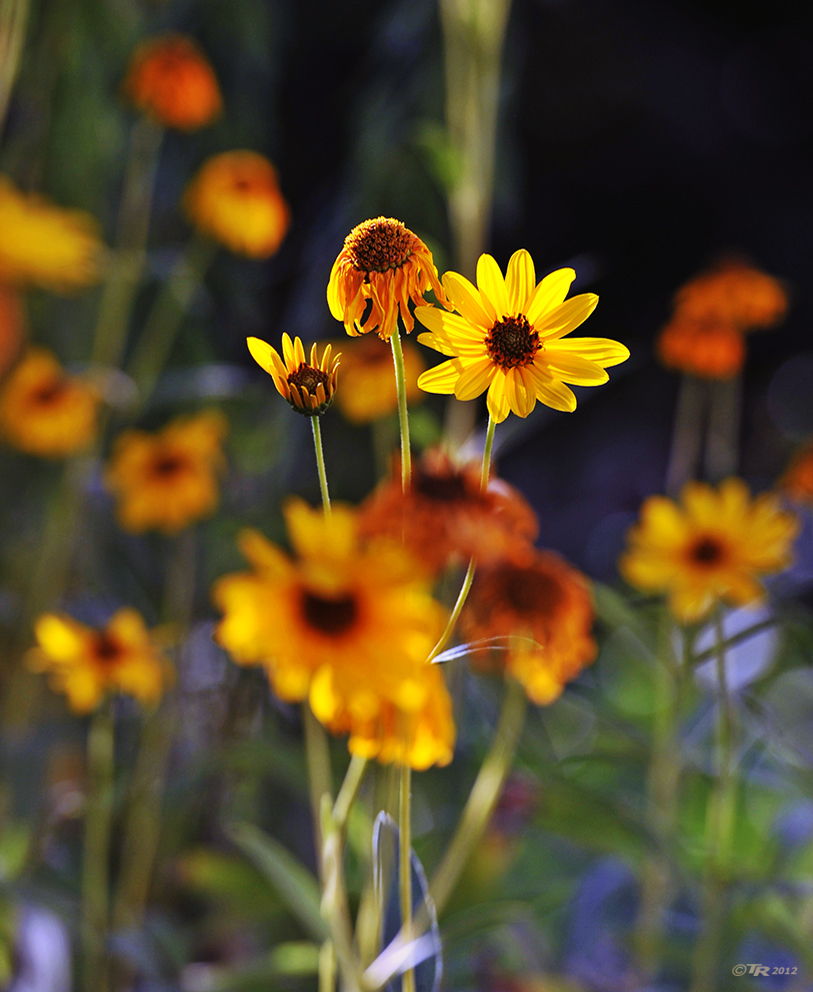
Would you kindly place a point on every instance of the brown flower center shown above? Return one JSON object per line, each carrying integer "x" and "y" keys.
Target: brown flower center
{"x": 333, "y": 616}
{"x": 307, "y": 377}
{"x": 707, "y": 551}
{"x": 107, "y": 650}
{"x": 380, "y": 244}
{"x": 512, "y": 342}
{"x": 168, "y": 465}
{"x": 50, "y": 392}
{"x": 449, "y": 488}
{"x": 531, "y": 593}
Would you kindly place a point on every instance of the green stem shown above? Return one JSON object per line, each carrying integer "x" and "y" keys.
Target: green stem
{"x": 403, "y": 410}
{"x": 320, "y": 463}
{"x": 349, "y": 790}
{"x": 484, "y": 794}
{"x": 736, "y": 639}
{"x": 687, "y": 434}
{"x": 320, "y": 778}
{"x": 405, "y": 863}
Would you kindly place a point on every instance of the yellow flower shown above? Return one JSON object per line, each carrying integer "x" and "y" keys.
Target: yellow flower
{"x": 713, "y": 546}
{"x": 385, "y": 265}
{"x": 235, "y": 200}
{"x": 347, "y": 626}
{"x": 508, "y": 339}
{"x": 368, "y": 380}
{"x": 167, "y": 481}
{"x": 307, "y": 386}
{"x": 44, "y": 411}
{"x": 45, "y": 246}
{"x": 87, "y": 664}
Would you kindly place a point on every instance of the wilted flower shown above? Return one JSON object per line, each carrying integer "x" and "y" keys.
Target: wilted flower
{"x": 235, "y": 200}
{"x": 508, "y": 339}
{"x": 733, "y": 293}
{"x": 708, "y": 350}
{"x": 308, "y": 386}
{"x": 168, "y": 480}
{"x": 368, "y": 380}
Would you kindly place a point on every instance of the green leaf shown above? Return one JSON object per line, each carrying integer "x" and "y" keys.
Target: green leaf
{"x": 291, "y": 959}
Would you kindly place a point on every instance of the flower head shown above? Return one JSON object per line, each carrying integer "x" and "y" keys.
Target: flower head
{"x": 171, "y": 80}
{"x": 45, "y": 411}
{"x": 308, "y": 386}
{"x": 733, "y": 293}
{"x": 444, "y": 514}
{"x": 708, "y": 350}
{"x": 383, "y": 265}
{"x": 546, "y": 605}
{"x": 715, "y": 545}
{"x": 345, "y": 624}
{"x": 235, "y": 200}
{"x": 88, "y": 664}
{"x": 43, "y": 245}
{"x": 168, "y": 480}
{"x": 368, "y": 383}
{"x": 507, "y": 337}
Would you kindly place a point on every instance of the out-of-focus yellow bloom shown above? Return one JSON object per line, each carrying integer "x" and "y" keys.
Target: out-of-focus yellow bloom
{"x": 171, "y": 80}
{"x": 715, "y": 545}
{"x": 307, "y": 386}
{"x": 508, "y": 339}
{"x": 43, "y": 245}
{"x": 537, "y": 598}
{"x": 733, "y": 293}
{"x": 235, "y": 200}
{"x": 368, "y": 379}
{"x": 88, "y": 664}
{"x": 44, "y": 411}
{"x": 169, "y": 480}
{"x": 703, "y": 349}
{"x": 345, "y": 625}
{"x": 383, "y": 265}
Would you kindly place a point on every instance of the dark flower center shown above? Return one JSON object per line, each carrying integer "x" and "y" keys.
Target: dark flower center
{"x": 307, "y": 377}
{"x": 107, "y": 649}
{"x": 511, "y": 342}
{"x": 442, "y": 488}
{"x": 380, "y": 244}
{"x": 50, "y": 392}
{"x": 167, "y": 465}
{"x": 707, "y": 551}
{"x": 529, "y": 592}
{"x": 333, "y": 616}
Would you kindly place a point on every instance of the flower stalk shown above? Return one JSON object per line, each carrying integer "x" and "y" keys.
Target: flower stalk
{"x": 403, "y": 411}
{"x": 320, "y": 463}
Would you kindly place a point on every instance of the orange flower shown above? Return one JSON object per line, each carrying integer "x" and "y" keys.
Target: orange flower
{"x": 709, "y": 350}
{"x": 540, "y": 599}
{"x": 733, "y": 293}
{"x": 384, "y": 264}
{"x": 368, "y": 380}
{"x": 445, "y": 514}
{"x": 167, "y": 481}
{"x": 307, "y": 386}
{"x": 797, "y": 481}
{"x": 44, "y": 411}
{"x": 170, "y": 80}
{"x": 235, "y": 200}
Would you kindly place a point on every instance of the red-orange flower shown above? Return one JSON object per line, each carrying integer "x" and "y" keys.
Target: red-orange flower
{"x": 733, "y": 293}
{"x": 707, "y": 349}
{"x": 797, "y": 481}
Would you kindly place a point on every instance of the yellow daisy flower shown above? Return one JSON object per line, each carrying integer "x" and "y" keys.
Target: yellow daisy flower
{"x": 508, "y": 339}
{"x": 385, "y": 265}
{"x": 88, "y": 664}
{"x": 168, "y": 480}
{"x": 713, "y": 546}
{"x": 307, "y": 386}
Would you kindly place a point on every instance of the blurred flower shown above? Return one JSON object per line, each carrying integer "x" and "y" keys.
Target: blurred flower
{"x": 307, "y": 386}
{"x": 168, "y": 480}
{"x": 43, "y": 410}
{"x": 345, "y": 624}
{"x": 12, "y": 325}
{"x": 171, "y": 80}
{"x": 733, "y": 293}
{"x": 444, "y": 514}
{"x": 797, "y": 481}
{"x": 382, "y": 263}
{"x": 235, "y": 200}
{"x": 45, "y": 245}
{"x": 87, "y": 664}
{"x": 507, "y": 339}
{"x": 540, "y": 599}
{"x": 709, "y": 350}
{"x": 368, "y": 379}
{"x": 715, "y": 545}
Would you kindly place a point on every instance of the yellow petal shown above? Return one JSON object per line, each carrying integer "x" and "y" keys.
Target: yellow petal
{"x": 442, "y": 378}
{"x": 525, "y": 391}
{"x": 497, "y": 400}
{"x": 520, "y": 280}
{"x": 493, "y": 290}
{"x": 474, "y": 379}
{"x": 466, "y": 300}
{"x": 450, "y": 325}
{"x": 299, "y": 351}
{"x": 288, "y": 351}
{"x": 566, "y": 317}
{"x": 260, "y": 352}
{"x": 602, "y": 351}
{"x": 572, "y": 368}
{"x": 61, "y": 638}
{"x": 549, "y": 293}
{"x": 552, "y": 393}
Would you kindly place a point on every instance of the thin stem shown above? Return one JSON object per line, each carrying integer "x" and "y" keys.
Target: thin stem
{"x": 320, "y": 778}
{"x": 320, "y": 463}
{"x": 722, "y": 441}
{"x": 405, "y": 863}
{"x": 403, "y": 410}
{"x": 687, "y": 434}
{"x": 484, "y": 794}
{"x": 489, "y": 445}
{"x": 736, "y": 639}
{"x": 349, "y": 790}
{"x": 327, "y": 967}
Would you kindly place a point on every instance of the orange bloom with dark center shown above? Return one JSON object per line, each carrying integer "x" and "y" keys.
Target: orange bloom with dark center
{"x": 45, "y": 411}
{"x": 797, "y": 481}
{"x": 235, "y": 200}
{"x": 706, "y": 349}
{"x": 444, "y": 514}
{"x": 309, "y": 386}
{"x": 546, "y": 605}
{"x": 171, "y": 80}
{"x": 381, "y": 267}
{"x": 736, "y": 294}
{"x": 368, "y": 381}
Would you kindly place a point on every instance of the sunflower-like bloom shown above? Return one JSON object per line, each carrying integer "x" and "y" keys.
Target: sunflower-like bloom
{"x": 715, "y": 545}
{"x": 170, "y": 80}
{"x": 708, "y": 350}
{"x": 168, "y": 480}
{"x": 546, "y": 605}
{"x": 43, "y": 245}
{"x": 346, "y": 625}
{"x": 44, "y": 411}
{"x": 368, "y": 384}
{"x": 88, "y": 664}
{"x": 235, "y": 200}
{"x": 736, "y": 294}
{"x": 444, "y": 514}
{"x": 508, "y": 339}
{"x": 383, "y": 265}
{"x": 309, "y": 387}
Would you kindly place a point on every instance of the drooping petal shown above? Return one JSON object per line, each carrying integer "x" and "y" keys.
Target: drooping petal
{"x": 497, "y": 401}
{"x": 466, "y": 300}
{"x": 573, "y": 368}
{"x": 475, "y": 379}
{"x": 442, "y": 378}
{"x": 549, "y": 294}
{"x": 520, "y": 280}
{"x": 493, "y": 290}
{"x": 602, "y": 351}
{"x": 525, "y": 391}
{"x": 552, "y": 393}
{"x": 566, "y": 317}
